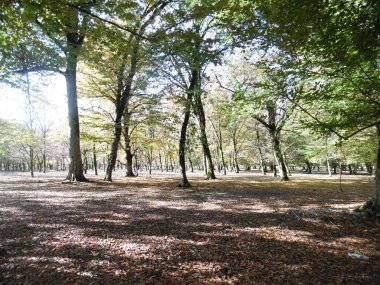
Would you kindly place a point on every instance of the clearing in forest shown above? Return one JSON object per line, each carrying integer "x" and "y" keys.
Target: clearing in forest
{"x": 239, "y": 229}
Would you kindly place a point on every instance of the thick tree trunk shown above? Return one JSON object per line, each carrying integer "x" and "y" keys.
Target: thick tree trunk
{"x": 279, "y": 158}
{"x": 76, "y": 167}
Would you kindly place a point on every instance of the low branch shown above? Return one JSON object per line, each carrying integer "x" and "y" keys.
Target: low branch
{"x": 39, "y": 69}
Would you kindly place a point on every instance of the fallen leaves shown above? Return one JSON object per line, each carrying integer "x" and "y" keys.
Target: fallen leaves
{"x": 239, "y": 231}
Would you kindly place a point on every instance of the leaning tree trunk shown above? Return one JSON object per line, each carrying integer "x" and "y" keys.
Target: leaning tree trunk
{"x": 182, "y": 141}
{"x": 114, "y": 147}
{"x": 199, "y": 111}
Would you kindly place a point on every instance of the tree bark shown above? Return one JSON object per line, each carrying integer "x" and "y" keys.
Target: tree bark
{"x": 182, "y": 141}
{"x": 199, "y": 111}
{"x": 127, "y": 141}
{"x": 76, "y": 167}
{"x": 262, "y": 163}
{"x": 377, "y": 172}
{"x": 279, "y": 158}
{"x": 94, "y": 159}
{"x": 121, "y": 100}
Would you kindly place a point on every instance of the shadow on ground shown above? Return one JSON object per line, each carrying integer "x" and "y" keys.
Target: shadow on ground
{"x": 246, "y": 230}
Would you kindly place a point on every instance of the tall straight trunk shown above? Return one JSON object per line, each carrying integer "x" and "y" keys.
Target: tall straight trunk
{"x": 76, "y": 166}
{"x": 160, "y": 161}
{"x": 44, "y": 153}
{"x": 237, "y": 169}
{"x": 262, "y": 164}
{"x": 31, "y": 161}
{"x": 222, "y": 155}
{"x": 182, "y": 141}
{"x": 377, "y": 172}
{"x": 94, "y": 159}
{"x": 127, "y": 140}
{"x": 328, "y": 166}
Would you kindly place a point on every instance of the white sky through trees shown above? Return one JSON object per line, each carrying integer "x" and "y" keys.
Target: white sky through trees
{"x": 52, "y": 93}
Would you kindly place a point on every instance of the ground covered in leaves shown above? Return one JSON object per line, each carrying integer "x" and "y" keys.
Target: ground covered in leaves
{"x": 239, "y": 229}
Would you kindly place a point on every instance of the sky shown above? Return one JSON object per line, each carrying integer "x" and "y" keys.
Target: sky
{"x": 13, "y": 101}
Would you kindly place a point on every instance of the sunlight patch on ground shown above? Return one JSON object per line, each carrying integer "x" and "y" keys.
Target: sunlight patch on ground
{"x": 345, "y": 206}
{"x": 282, "y": 234}
{"x": 257, "y": 207}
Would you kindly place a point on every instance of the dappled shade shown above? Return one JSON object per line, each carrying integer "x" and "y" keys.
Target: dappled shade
{"x": 249, "y": 230}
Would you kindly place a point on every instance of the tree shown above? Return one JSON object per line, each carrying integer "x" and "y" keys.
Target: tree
{"x": 339, "y": 42}
{"x": 58, "y": 31}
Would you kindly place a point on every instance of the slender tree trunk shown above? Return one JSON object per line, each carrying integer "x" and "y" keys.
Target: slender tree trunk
{"x": 182, "y": 141}
{"x": 31, "y": 158}
{"x": 262, "y": 163}
{"x": 222, "y": 156}
{"x": 237, "y": 169}
{"x": 204, "y": 142}
{"x": 199, "y": 111}
{"x": 328, "y": 166}
{"x": 377, "y": 172}
{"x": 44, "y": 153}
{"x": 114, "y": 147}
{"x": 94, "y": 157}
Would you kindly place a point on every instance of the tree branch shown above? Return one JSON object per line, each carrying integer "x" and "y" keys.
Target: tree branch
{"x": 79, "y": 8}
{"x": 39, "y": 69}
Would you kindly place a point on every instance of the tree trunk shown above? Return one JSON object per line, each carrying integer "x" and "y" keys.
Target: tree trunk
{"x": 121, "y": 101}
{"x": 115, "y": 145}
{"x": 237, "y": 169}
{"x": 262, "y": 163}
{"x": 127, "y": 141}
{"x": 95, "y": 159}
{"x": 76, "y": 167}
{"x": 199, "y": 111}
{"x": 328, "y": 167}
{"x": 308, "y": 166}
{"x": 279, "y": 158}
{"x": 182, "y": 141}
{"x": 377, "y": 172}
{"x": 31, "y": 161}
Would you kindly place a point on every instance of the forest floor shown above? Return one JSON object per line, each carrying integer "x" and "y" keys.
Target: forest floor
{"x": 239, "y": 229}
